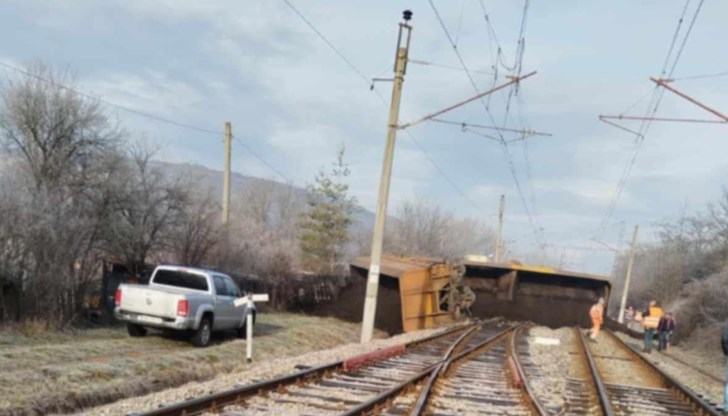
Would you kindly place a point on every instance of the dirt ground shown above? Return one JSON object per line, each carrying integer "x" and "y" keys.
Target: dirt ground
{"x": 67, "y": 371}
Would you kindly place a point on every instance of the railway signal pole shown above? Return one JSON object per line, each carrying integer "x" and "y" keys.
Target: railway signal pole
{"x": 400, "y": 67}
{"x": 625, "y": 291}
{"x": 226, "y": 180}
{"x": 499, "y": 237}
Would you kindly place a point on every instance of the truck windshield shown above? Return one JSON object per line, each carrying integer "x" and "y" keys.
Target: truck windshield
{"x": 180, "y": 278}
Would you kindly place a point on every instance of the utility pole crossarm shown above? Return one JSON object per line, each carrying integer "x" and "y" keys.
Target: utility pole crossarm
{"x": 664, "y": 84}
{"x": 513, "y": 80}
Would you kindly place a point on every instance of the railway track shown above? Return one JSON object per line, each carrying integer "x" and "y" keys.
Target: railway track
{"x": 345, "y": 387}
{"x": 629, "y": 384}
{"x": 479, "y": 369}
{"x": 570, "y": 392}
{"x": 482, "y": 380}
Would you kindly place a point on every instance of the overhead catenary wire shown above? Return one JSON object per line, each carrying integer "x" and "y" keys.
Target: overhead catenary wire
{"x": 652, "y": 108}
{"x": 504, "y": 145}
{"x": 716, "y": 75}
{"x": 429, "y": 158}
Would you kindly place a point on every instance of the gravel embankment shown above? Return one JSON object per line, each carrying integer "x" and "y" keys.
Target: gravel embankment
{"x": 258, "y": 371}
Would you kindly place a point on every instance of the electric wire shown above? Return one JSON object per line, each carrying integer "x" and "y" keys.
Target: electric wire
{"x": 658, "y": 93}
{"x": 144, "y": 114}
{"x": 261, "y": 159}
{"x": 109, "y": 103}
{"x": 504, "y": 145}
{"x": 381, "y": 97}
{"x": 326, "y": 41}
{"x": 719, "y": 74}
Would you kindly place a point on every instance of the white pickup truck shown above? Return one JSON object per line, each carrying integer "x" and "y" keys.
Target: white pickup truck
{"x": 186, "y": 299}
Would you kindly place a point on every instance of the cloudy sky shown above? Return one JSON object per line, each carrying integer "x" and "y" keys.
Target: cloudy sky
{"x": 293, "y": 100}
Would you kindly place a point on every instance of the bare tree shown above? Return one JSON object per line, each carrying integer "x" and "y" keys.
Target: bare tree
{"x": 424, "y": 228}
{"x": 147, "y": 206}
{"x": 199, "y": 230}
{"x": 57, "y": 132}
{"x": 62, "y": 151}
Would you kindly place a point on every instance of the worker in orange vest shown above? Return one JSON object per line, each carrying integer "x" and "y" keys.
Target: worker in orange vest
{"x": 597, "y": 316}
{"x": 650, "y": 321}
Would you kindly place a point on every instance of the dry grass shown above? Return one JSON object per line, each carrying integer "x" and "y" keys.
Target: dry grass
{"x": 61, "y": 372}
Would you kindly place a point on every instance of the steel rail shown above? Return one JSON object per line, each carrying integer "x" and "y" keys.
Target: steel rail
{"x": 528, "y": 389}
{"x": 601, "y": 389}
{"x": 422, "y": 399}
{"x": 421, "y": 404}
{"x": 236, "y": 395}
{"x": 699, "y": 405}
{"x": 382, "y": 398}
{"x": 616, "y": 326}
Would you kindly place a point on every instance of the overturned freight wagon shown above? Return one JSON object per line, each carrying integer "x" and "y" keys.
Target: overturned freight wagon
{"x": 540, "y": 294}
{"x": 417, "y": 293}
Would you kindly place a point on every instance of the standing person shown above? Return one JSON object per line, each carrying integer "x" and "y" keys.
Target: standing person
{"x": 724, "y": 344}
{"x": 597, "y": 316}
{"x": 650, "y": 321}
{"x": 672, "y": 326}
{"x": 629, "y": 317}
{"x": 664, "y": 329}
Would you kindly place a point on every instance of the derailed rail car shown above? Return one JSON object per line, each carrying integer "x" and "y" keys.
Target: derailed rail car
{"x": 414, "y": 293}
{"x": 543, "y": 295}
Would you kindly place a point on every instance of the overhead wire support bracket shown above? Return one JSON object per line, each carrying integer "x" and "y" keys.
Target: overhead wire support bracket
{"x": 682, "y": 120}
{"x": 465, "y": 125}
{"x": 663, "y": 82}
{"x": 513, "y": 80}
{"x": 605, "y": 119}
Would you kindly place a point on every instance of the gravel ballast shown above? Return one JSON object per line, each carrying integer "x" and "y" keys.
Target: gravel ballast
{"x": 257, "y": 371}
{"x": 686, "y": 374}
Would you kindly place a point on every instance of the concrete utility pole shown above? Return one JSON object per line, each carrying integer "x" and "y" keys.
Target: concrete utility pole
{"x": 400, "y": 67}
{"x": 629, "y": 275}
{"x": 499, "y": 237}
{"x": 226, "y": 183}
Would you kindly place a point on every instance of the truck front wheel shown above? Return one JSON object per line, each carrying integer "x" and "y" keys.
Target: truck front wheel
{"x": 203, "y": 334}
{"x": 136, "y": 330}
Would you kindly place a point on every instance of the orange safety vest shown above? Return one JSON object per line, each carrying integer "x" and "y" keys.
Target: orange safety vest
{"x": 653, "y": 321}
{"x": 597, "y": 312}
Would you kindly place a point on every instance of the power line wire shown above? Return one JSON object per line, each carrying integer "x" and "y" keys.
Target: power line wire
{"x": 654, "y": 105}
{"x": 109, "y": 103}
{"x": 719, "y": 74}
{"x": 368, "y": 81}
{"x": 323, "y": 38}
{"x": 141, "y": 113}
{"x": 265, "y": 162}
{"x": 504, "y": 145}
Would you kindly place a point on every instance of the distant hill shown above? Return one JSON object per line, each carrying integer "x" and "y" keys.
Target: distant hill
{"x": 213, "y": 180}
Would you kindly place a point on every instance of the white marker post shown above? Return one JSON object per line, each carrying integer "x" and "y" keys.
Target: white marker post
{"x": 249, "y": 336}
{"x": 249, "y": 302}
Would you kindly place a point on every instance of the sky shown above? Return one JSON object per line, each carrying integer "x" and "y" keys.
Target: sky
{"x": 294, "y": 101}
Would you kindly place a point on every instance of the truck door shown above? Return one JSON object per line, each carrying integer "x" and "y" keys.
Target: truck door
{"x": 240, "y": 311}
{"x": 225, "y": 313}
